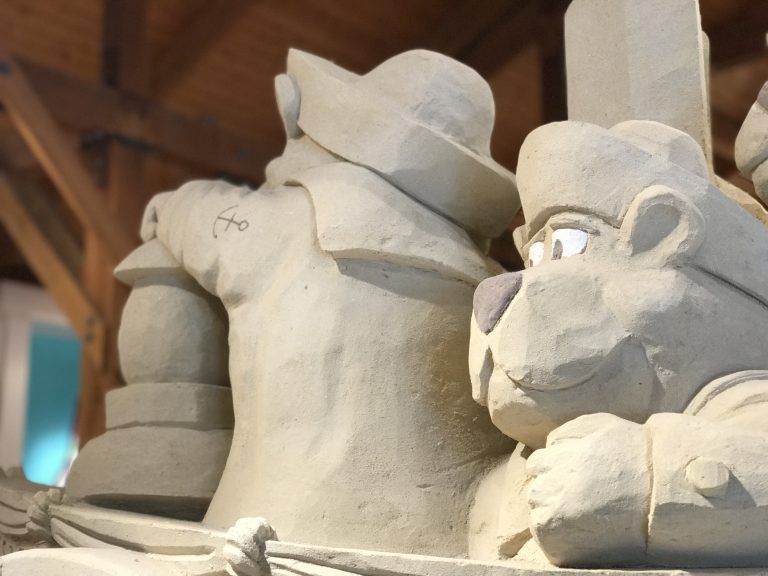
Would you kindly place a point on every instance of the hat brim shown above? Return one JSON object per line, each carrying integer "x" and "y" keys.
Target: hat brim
{"x": 366, "y": 128}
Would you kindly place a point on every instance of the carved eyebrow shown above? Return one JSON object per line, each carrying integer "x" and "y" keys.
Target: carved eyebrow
{"x": 585, "y": 222}
{"x": 579, "y": 220}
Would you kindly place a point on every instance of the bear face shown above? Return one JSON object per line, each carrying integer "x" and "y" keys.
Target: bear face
{"x": 600, "y": 321}
{"x": 643, "y": 283}
{"x": 538, "y": 379}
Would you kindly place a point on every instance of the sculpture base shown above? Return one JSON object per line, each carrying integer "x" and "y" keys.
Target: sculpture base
{"x": 301, "y": 560}
{"x": 98, "y": 541}
{"x": 204, "y": 552}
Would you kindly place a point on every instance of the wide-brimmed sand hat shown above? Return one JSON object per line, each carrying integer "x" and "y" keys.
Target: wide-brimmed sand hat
{"x": 423, "y": 121}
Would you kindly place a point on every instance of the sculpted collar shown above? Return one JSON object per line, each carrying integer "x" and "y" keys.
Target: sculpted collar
{"x": 359, "y": 215}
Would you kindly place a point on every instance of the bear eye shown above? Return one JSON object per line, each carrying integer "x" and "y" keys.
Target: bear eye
{"x": 535, "y": 253}
{"x": 568, "y": 242}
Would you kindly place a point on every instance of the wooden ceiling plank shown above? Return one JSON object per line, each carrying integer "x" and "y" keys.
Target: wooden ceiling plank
{"x": 551, "y": 41}
{"x": 43, "y": 210}
{"x": 464, "y": 24}
{"x": 50, "y": 146}
{"x": 740, "y": 38}
{"x": 85, "y": 106}
{"x": 518, "y": 27}
{"x": 45, "y": 260}
{"x": 125, "y": 49}
{"x": 207, "y": 26}
{"x": 124, "y": 66}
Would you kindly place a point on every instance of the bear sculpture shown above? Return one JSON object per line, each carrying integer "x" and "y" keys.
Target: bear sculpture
{"x": 630, "y": 357}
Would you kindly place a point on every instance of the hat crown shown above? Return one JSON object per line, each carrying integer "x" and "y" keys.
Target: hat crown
{"x": 583, "y": 166}
{"x": 422, "y": 121}
{"x": 671, "y": 144}
{"x": 439, "y": 92}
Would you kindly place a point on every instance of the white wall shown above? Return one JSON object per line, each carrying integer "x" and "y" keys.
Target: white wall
{"x": 21, "y": 305}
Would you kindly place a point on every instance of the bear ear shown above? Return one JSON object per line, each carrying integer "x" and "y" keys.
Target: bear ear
{"x": 662, "y": 225}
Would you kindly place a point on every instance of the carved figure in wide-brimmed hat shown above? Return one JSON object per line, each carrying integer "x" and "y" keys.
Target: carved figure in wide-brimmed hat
{"x": 347, "y": 279}
{"x": 632, "y": 354}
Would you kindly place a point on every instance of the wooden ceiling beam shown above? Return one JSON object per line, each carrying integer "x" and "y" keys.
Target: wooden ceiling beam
{"x": 124, "y": 47}
{"x": 725, "y": 129}
{"x": 551, "y": 41}
{"x": 85, "y": 106}
{"x": 45, "y": 210}
{"x": 124, "y": 66}
{"x": 205, "y": 28}
{"x": 14, "y": 150}
{"x": 31, "y": 116}
{"x": 740, "y": 38}
{"x": 463, "y": 25}
{"x": 518, "y": 27}
{"x": 43, "y": 255}
{"x": 486, "y": 34}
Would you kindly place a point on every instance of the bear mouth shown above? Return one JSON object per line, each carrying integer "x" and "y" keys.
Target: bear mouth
{"x": 548, "y": 386}
{"x": 582, "y": 371}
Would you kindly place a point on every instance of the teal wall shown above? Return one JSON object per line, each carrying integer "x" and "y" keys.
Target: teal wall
{"x": 50, "y": 438}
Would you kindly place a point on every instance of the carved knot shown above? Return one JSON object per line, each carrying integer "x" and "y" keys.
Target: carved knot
{"x": 39, "y": 515}
{"x": 246, "y": 545}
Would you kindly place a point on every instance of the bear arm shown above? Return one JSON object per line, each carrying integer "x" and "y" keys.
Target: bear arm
{"x": 197, "y": 223}
{"x": 738, "y": 400}
{"x": 709, "y": 500}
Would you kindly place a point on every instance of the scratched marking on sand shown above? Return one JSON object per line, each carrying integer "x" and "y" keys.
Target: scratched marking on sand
{"x": 225, "y": 219}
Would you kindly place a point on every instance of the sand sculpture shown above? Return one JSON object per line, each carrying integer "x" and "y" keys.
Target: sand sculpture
{"x": 607, "y": 356}
{"x": 319, "y": 420}
{"x": 344, "y": 285}
{"x": 336, "y": 276}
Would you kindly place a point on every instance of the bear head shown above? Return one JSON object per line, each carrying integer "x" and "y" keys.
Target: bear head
{"x": 643, "y": 282}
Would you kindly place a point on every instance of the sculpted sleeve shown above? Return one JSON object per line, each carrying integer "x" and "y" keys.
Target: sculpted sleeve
{"x": 196, "y": 223}
{"x": 709, "y": 501}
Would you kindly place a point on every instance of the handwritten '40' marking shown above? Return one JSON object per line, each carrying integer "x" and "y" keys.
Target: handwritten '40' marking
{"x": 224, "y": 221}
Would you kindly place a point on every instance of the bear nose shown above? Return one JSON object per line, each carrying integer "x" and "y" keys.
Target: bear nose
{"x": 493, "y": 296}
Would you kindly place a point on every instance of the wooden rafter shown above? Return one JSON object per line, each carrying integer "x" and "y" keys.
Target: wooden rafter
{"x": 518, "y": 27}
{"x": 551, "y": 41}
{"x": 44, "y": 257}
{"x": 486, "y": 34}
{"x": 740, "y": 38}
{"x": 725, "y": 128}
{"x": 85, "y": 106}
{"x": 206, "y": 27}
{"x": 58, "y": 158}
{"x": 465, "y": 25}
{"x": 125, "y": 52}
{"x": 47, "y": 214}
